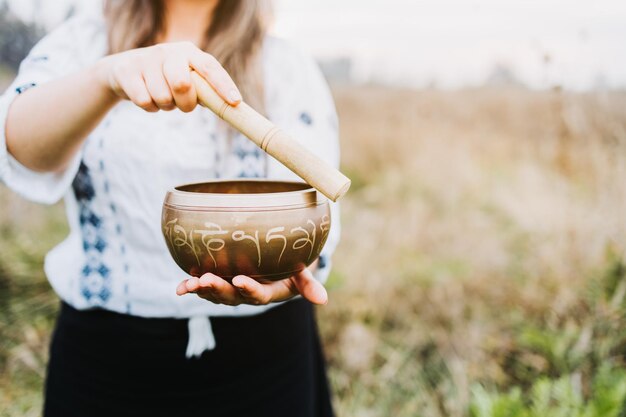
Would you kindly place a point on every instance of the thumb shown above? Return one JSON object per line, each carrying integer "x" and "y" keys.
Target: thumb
{"x": 309, "y": 287}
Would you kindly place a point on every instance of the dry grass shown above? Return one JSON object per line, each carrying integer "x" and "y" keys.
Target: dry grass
{"x": 483, "y": 246}
{"x": 477, "y": 216}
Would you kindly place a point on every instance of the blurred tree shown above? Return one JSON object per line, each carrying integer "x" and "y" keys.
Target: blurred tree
{"x": 502, "y": 75}
{"x": 16, "y": 38}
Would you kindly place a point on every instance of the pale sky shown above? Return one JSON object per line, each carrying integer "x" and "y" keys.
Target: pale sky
{"x": 448, "y": 43}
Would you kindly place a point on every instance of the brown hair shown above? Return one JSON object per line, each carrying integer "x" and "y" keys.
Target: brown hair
{"x": 234, "y": 37}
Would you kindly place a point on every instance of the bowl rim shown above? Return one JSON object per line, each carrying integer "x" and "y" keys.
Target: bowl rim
{"x": 189, "y": 200}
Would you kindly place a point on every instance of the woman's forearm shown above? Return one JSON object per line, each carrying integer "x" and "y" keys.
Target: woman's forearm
{"x": 47, "y": 125}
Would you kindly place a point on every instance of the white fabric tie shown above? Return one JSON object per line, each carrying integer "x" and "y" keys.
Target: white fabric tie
{"x": 201, "y": 336}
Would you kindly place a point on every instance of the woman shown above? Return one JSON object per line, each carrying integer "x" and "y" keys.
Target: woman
{"x": 82, "y": 121}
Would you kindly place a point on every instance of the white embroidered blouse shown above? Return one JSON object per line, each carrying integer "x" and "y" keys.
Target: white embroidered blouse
{"x": 115, "y": 256}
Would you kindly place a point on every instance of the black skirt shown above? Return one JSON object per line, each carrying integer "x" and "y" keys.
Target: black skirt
{"x": 109, "y": 364}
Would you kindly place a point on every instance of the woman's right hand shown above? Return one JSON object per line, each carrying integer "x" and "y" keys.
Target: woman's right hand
{"x": 158, "y": 77}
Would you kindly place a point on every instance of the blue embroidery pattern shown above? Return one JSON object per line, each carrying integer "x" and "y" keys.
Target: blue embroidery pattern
{"x": 38, "y": 58}
{"x": 306, "y": 118}
{"x": 95, "y": 280}
{"x": 251, "y": 158}
{"x": 118, "y": 226}
{"x": 20, "y": 89}
{"x": 218, "y": 157}
{"x": 322, "y": 262}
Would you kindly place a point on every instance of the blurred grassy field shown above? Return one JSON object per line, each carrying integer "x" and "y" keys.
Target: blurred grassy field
{"x": 481, "y": 272}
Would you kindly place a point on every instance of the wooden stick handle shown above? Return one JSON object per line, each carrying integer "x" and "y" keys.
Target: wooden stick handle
{"x": 315, "y": 171}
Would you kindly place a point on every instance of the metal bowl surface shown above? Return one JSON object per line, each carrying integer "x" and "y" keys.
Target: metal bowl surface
{"x": 267, "y": 230}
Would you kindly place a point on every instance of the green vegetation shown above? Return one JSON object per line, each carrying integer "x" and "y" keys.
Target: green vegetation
{"x": 27, "y": 304}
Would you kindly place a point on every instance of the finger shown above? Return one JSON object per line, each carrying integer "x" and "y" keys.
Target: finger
{"x": 134, "y": 87}
{"x": 211, "y": 70}
{"x": 255, "y": 292}
{"x": 181, "y": 289}
{"x": 191, "y": 284}
{"x": 309, "y": 287}
{"x": 219, "y": 289}
{"x": 157, "y": 87}
{"x": 176, "y": 72}
{"x": 209, "y": 295}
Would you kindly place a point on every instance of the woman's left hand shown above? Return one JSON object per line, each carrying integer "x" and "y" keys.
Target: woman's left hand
{"x": 245, "y": 290}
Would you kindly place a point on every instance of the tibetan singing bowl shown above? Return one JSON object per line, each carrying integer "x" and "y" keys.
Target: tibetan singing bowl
{"x": 267, "y": 230}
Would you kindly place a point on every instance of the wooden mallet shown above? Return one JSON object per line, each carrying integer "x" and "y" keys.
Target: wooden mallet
{"x": 312, "y": 169}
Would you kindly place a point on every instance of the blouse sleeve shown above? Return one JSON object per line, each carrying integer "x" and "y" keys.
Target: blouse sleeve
{"x": 299, "y": 101}
{"x": 57, "y": 54}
